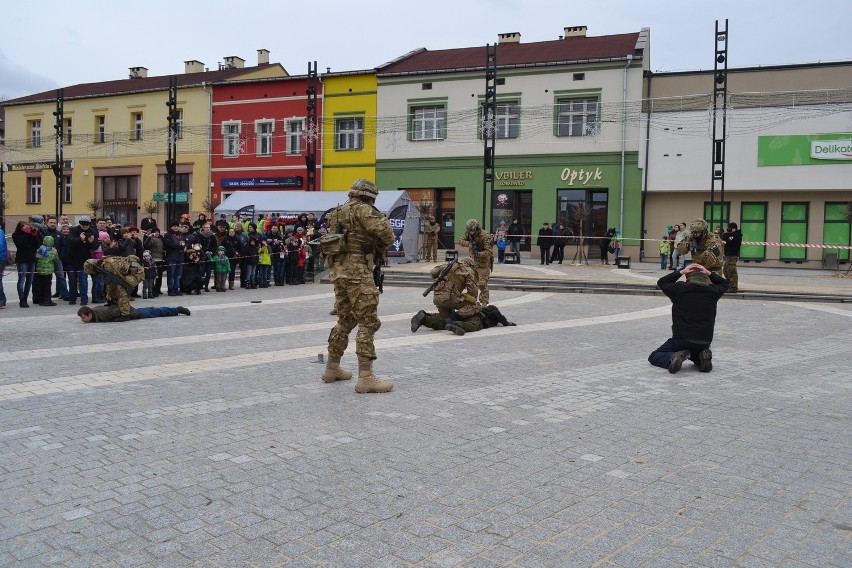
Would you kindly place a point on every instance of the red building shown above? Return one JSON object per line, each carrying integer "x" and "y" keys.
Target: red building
{"x": 258, "y": 136}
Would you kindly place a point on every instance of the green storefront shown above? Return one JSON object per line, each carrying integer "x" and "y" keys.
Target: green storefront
{"x": 581, "y": 190}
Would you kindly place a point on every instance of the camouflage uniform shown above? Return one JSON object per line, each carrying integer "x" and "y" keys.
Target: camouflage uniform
{"x": 456, "y": 292}
{"x": 125, "y": 267}
{"x": 366, "y": 235}
{"x": 489, "y": 316}
{"x": 709, "y": 252}
{"x": 432, "y": 230}
{"x": 482, "y": 254}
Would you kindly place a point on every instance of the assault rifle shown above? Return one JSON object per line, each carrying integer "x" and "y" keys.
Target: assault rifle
{"x": 441, "y": 277}
{"x": 111, "y": 278}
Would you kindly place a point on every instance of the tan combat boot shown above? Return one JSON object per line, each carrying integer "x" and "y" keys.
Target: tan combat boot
{"x": 333, "y": 372}
{"x": 367, "y": 381}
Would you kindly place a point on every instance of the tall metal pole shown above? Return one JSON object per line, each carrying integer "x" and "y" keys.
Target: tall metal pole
{"x": 311, "y": 129}
{"x": 58, "y": 165}
{"x": 171, "y": 160}
{"x": 489, "y": 129}
{"x": 720, "y": 123}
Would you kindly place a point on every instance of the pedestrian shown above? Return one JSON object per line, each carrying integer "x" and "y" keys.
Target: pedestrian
{"x": 221, "y": 269}
{"x": 45, "y": 261}
{"x": 4, "y": 260}
{"x": 150, "y": 268}
{"x": 693, "y": 318}
{"x": 544, "y": 242}
{"x": 514, "y": 234}
{"x": 603, "y": 243}
{"x": 665, "y": 252}
{"x": 104, "y": 314}
{"x": 733, "y": 239}
{"x": 27, "y": 242}
{"x": 367, "y": 236}
{"x": 560, "y": 239}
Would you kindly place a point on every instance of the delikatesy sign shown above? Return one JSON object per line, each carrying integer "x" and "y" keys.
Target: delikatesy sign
{"x": 831, "y": 149}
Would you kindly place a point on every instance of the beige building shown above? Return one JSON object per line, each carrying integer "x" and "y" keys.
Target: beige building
{"x": 115, "y": 144}
{"x": 788, "y": 159}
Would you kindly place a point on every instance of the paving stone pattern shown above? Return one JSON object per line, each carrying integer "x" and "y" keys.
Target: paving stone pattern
{"x": 211, "y": 440}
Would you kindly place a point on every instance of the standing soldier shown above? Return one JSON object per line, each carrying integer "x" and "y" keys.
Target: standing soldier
{"x": 432, "y": 230}
{"x": 705, "y": 247}
{"x": 455, "y": 289}
{"x": 733, "y": 238}
{"x": 483, "y": 257}
{"x": 360, "y": 236}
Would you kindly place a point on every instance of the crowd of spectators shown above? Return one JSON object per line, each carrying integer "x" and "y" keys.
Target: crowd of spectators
{"x": 50, "y": 254}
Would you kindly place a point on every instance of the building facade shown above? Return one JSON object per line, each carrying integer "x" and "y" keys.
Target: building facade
{"x": 115, "y": 144}
{"x": 567, "y": 134}
{"x": 788, "y": 159}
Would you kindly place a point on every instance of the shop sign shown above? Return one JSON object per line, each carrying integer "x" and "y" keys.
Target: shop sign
{"x": 582, "y": 176}
{"x": 31, "y": 166}
{"x": 831, "y": 149}
{"x": 292, "y": 181}
{"x": 513, "y": 179}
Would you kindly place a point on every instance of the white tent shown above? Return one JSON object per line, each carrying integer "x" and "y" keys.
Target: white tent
{"x": 396, "y": 205}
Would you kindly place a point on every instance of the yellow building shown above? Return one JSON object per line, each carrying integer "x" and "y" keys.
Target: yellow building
{"x": 115, "y": 144}
{"x": 348, "y": 128}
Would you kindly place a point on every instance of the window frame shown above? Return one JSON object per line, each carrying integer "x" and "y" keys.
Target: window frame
{"x": 34, "y": 190}
{"x": 67, "y": 133}
{"x": 424, "y": 133}
{"x": 35, "y": 133}
{"x": 829, "y": 220}
{"x": 749, "y": 223}
{"x": 793, "y": 254}
{"x": 294, "y": 138}
{"x": 67, "y": 188}
{"x": 504, "y": 122}
{"x": 231, "y": 130}
{"x": 100, "y": 129}
{"x": 356, "y": 133}
{"x": 570, "y": 97}
{"x": 138, "y": 125}
{"x": 263, "y": 139}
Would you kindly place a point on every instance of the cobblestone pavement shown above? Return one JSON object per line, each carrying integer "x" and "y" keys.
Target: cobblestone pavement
{"x": 211, "y": 441}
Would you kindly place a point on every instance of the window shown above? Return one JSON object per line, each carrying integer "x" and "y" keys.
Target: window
{"x": 428, "y": 123}
{"x": 66, "y": 131}
{"x": 179, "y": 122}
{"x": 577, "y": 117}
{"x": 753, "y": 227}
{"x": 294, "y": 136}
{"x": 100, "y": 129}
{"x": 835, "y": 229}
{"x": 794, "y": 230}
{"x": 718, "y": 215}
{"x": 426, "y": 86}
{"x": 263, "y": 129}
{"x": 120, "y": 187}
{"x": 35, "y": 136}
{"x": 507, "y": 120}
{"x": 231, "y": 139}
{"x": 66, "y": 189}
{"x": 584, "y": 212}
{"x": 349, "y": 133}
{"x": 579, "y": 76}
{"x": 34, "y": 187}
{"x": 137, "y": 126}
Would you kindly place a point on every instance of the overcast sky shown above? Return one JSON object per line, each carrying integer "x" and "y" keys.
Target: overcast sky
{"x": 48, "y": 44}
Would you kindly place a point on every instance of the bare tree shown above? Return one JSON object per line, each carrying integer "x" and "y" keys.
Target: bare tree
{"x": 94, "y": 206}
{"x": 580, "y": 212}
{"x": 151, "y": 207}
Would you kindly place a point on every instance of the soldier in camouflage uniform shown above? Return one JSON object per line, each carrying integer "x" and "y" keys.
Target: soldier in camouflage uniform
{"x": 128, "y": 269}
{"x": 483, "y": 256}
{"x": 432, "y": 229}
{"x": 456, "y": 292}
{"x": 705, "y": 247}
{"x": 365, "y": 235}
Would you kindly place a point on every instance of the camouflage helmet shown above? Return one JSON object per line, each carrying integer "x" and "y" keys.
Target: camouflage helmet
{"x": 362, "y": 187}
{"x": 472, "y": 225}
{"x": 90, "y": 267}
{"x": 698, "y": 226}
{"x": 469, "y": 262}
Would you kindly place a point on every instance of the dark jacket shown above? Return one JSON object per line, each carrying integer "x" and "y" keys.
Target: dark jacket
{"x": 560, "y": 236}
{"x": 173, "y": 247}
{"x": 27, "y": 241}
{"x": 693, "y": 306}
{"x": 604, "y": 241}
{"x": 78, "y": 251}
{"x": 514, "y": 232}
{"x": 545, "y": 237}
{"x": 733, "y": 240}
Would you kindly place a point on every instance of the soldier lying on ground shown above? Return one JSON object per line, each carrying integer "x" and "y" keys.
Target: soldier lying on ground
{"x": 103, "y": 314}
{"x": 489, "y": 316}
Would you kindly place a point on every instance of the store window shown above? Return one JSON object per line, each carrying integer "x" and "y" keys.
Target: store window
{"x": 717, "y": 214}
{"x": 583, "y": 212}
{"x": 753, "y": 227}
{"x": 794, "y": 230}
{"x": 836, "y": 229}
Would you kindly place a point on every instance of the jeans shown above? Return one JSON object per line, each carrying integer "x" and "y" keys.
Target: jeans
{"x": 232, "y": 275}
{"x": 78, "y": 283}
{"x": 174, "y": 273}
{"x": 664, "y": 259}
{"x": 263, "y": 271}
{"x": 516, "y": 247}
{"x": 98, "y": 290}
{"x": 2, "y": 293}
{"x": 161, "y": 312}
{"x": 279, "y": 269}
{"x": 662, "y": 356}
{"x": 558, "y": 254}
{"x": 676, "y": 258}
{"x": 26, "y": 271}
{"x": 251, "y": 270}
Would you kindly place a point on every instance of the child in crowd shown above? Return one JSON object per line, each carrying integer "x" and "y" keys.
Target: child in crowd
{"x": 46, "y": 255}
{"x": 221, "y": 269}
{"x": 150, "y": 268}
{"x": 250, "y": 254}
{"x": 264, "y": 263}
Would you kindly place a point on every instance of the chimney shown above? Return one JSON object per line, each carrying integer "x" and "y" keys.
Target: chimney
{"x": 193, "y": 66}
{"x": 234, "y": 62}
{"x": 262, "y": 57}
{"x": 575, "y": 31}
{"x": 513, "y": 37}
{"x": 138, "y": 72}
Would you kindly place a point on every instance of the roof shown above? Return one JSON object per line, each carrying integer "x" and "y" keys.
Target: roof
{"x": 136, "y": 85}
{"x": 561, "y": 51}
